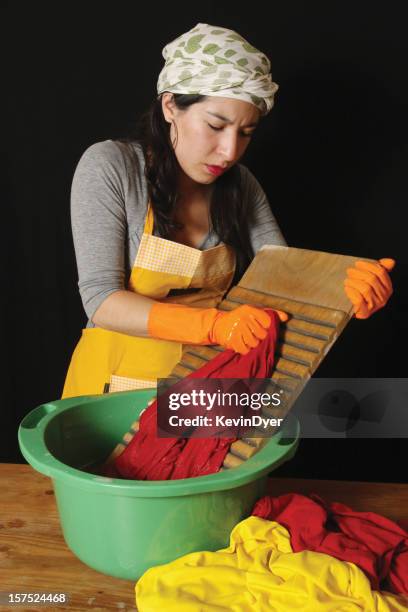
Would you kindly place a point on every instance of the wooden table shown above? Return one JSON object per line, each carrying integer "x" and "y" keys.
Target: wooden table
{"x": 34, "y": 556}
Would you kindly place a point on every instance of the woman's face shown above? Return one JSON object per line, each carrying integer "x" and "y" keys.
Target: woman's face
{"x": 210, "y": 136}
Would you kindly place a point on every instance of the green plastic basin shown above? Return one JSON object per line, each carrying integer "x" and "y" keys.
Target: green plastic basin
{"x": 123, "y": 527}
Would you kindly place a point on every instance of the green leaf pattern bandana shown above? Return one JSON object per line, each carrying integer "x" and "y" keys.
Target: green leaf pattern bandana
{"x": 214, "y": 61}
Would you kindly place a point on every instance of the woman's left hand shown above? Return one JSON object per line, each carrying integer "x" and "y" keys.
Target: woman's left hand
{"x": 368, "y": 286}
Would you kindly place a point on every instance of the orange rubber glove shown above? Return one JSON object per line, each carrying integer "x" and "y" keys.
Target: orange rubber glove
{"x": 368, "y": 286}
{"x": 240, "y": 329}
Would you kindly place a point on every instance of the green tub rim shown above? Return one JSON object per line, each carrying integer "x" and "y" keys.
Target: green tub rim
{"x": 277, "y": 450}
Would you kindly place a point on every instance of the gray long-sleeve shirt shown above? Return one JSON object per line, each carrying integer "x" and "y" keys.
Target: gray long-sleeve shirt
{"x": 109, "y": 199}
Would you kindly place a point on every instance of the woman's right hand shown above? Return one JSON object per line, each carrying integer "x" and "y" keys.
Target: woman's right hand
{"x": 242, "y": 328}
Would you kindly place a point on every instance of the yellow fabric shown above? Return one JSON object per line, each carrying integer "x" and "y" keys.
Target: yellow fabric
{"x": 258, "y": 572}
{"x": 149, "y": 221}
{"x": 156, "y": 285}
{"x": 122, "y": 383}
{"x": 161, "y": 255}
{"x": 101, "y": 354}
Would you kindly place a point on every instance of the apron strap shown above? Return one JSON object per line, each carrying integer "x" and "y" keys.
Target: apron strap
{"x": 149, "y": 221}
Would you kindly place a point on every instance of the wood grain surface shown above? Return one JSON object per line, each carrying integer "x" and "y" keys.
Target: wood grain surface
{"x": 308, "y": 286}
{"x": 390, "y": 500}
{"x": 312, "y": 277}
{"x": 33, "y": 553}
{"x": 34, "y": 556}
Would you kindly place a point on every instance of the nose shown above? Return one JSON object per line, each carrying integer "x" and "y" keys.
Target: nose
{"x": 228, "y": 146}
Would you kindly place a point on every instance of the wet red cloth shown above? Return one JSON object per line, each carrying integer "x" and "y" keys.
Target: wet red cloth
{"x": 375, "y": 544}
{"x": 148, "y": 457}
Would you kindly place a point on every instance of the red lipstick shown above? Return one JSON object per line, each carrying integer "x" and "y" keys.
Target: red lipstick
{"x": 215, "y": 170}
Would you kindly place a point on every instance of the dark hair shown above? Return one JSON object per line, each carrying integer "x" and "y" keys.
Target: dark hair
{"x": 228, "y": 210}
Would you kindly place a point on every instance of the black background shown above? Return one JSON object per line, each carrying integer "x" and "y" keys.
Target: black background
{"x": 331, "y": 157}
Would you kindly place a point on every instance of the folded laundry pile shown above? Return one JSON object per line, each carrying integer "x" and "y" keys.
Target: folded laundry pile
{"x": 148, "y": 457}
{"x": 375, "y": 544}
{"x": 259, "y": 572}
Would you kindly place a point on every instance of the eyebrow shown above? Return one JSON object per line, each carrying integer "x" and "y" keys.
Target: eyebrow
{"x": 229, "y": 120}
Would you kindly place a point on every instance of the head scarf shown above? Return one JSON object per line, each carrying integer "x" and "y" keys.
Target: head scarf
{"x": 214, "y": 61}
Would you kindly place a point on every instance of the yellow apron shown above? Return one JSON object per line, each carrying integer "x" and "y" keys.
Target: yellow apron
{"x": 104, "y": 357}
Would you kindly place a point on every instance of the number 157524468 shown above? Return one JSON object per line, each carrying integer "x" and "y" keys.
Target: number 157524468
{"x": 40, "y": 598}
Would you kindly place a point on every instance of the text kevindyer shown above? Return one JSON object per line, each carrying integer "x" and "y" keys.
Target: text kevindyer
{"x": 222, "y": 421}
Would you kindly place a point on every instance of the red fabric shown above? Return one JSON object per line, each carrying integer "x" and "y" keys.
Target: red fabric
{"x": 148, "y": 457}
{"x": 375, "y": 544}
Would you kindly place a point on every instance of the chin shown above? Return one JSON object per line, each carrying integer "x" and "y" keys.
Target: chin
{"x": 208, "y": 180}
{"x": 200, "y": 176}
{"x": 203, "y": 178}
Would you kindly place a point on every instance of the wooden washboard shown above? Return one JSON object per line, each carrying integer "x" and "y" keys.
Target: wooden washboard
{"x": 308, "y": 286}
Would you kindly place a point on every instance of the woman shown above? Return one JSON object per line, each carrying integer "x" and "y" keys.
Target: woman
{"x": 164, "y": 225}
